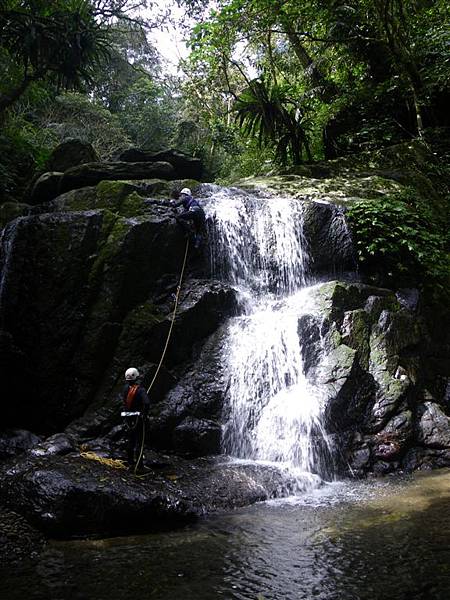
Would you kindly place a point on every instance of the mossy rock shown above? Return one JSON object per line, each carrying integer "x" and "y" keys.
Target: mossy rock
{"x": 355, "y": 332}
{"x": 10, "y": 211}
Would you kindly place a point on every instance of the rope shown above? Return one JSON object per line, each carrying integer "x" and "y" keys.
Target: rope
{"x": 177, "y": 296}
{"x": 110, "y": 462}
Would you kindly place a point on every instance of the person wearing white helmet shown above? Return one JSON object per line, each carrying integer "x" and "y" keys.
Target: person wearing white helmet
{"x": 192, "y": 213}
{"x": 135, "y": 409}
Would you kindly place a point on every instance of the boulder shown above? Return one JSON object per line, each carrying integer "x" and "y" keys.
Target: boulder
{"x": 16, "y": 441}
{"x": 330, "y": 245}
{"x": 197, "y": 437}
{"x": 70, "y": 153}
{"x": 433, "y": 429}
{"x": 186, "y": 167}
{"x": 92, "y": 173}
{"x": 46, "y": 188}
{"x": 65, "y": 496}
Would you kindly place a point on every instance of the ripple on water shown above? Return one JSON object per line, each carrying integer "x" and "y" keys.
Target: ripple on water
{"x": 372, "y": 540}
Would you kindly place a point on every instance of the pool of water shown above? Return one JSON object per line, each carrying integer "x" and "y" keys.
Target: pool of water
{"x": 386, "y": 540}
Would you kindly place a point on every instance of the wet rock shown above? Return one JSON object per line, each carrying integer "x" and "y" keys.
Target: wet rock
{"x": 197, "y": 437}
{"x": 64, "y": 496}
{"x": 198, "y": 393}
{"x": 70, "y": 495}
{"x": 70, "y": 153}
{"x": 329, "y": 241}
{"x": 311, "y": 347}
{"x": 90, "y": 174}
{"x": 55, "y": 444}
{"x": 46, "y": 187}
{"x": 433, "y": 426}
{"x": 17, "y": 441}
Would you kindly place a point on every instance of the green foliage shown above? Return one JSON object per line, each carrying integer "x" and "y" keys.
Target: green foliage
{"x": 401, "y": 239}
{"x": 60, "y": 41}
{"x": 75, "y": 115}
{"x": 268, "y": 114}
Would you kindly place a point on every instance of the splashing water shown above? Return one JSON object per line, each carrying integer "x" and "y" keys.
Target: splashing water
{"x": 273, "y": 413}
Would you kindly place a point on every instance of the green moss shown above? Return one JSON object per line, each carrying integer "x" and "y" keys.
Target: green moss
{"x": 114, "y": 229}
{"x": 132, "y": 206}
{"x": 356, "y": 333}
{"x": 111, "y": 194}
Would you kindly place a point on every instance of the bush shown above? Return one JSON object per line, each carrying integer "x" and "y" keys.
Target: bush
{"x": 401, "y": 242}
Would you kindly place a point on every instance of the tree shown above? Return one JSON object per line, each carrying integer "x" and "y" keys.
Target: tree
{"x": 267, "y": 112}
{"x": 62, "y": 42}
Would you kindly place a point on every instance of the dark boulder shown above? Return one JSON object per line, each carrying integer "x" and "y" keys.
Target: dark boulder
{"x": 433, "y": 428}
{"x": 70, "y": 495}
{"x": 64, "y": 496}
{"x": 197, "y": 437}
{"x": 46, "y": 187}
{"x": 330, "y": 243}
{"x": 186, "y": 167}
{"x": 17, "y": 441}
{"x": 70, "y": 153}
{"x": 92, "y": 173}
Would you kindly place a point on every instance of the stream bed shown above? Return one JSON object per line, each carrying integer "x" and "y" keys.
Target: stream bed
{"x": 374, "y": 539}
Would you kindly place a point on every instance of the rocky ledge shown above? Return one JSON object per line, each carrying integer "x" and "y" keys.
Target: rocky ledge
{"x": 68, "y": 495}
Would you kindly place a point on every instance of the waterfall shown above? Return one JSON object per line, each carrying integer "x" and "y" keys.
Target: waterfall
{"x": 272, "y": 412}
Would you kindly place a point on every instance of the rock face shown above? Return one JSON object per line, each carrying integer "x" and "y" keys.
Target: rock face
{"x": 370, "y": 371}
{"x": 99, "y": 286}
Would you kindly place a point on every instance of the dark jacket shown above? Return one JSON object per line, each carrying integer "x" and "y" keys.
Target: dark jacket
{"x": 188, "y": 202}
{"x": 141, "y": 401}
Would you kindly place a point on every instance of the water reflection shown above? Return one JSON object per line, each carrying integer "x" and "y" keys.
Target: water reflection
{"x": 365, "y": 541}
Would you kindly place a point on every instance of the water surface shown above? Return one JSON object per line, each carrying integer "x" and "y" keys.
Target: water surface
{"x": 387, "y": 539}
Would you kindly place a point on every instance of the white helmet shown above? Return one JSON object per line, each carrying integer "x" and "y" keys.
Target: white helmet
{"x": 186, "y": 191}
{"x": 131, "y": 374}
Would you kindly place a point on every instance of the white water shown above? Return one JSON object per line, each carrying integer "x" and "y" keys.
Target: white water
{"x": 273, "y": 413}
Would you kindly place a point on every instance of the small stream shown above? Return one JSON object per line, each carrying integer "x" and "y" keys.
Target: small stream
{"x": 374, "y": 540}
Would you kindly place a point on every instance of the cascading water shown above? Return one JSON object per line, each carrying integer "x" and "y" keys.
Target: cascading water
{"x": 273, "y": 413}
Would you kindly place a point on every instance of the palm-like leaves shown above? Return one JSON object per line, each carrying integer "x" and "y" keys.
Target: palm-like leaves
{"x": 267, "y": 113}
{"x": 61, "y": 39}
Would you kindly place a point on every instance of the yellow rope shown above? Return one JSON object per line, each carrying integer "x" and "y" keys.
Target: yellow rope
{"x": 177, "y": 296}
{"x": 110, "y": 462}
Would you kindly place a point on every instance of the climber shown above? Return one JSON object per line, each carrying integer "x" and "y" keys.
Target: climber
{"x": 192, "y": 213}
{"x": 135, "y": 409}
